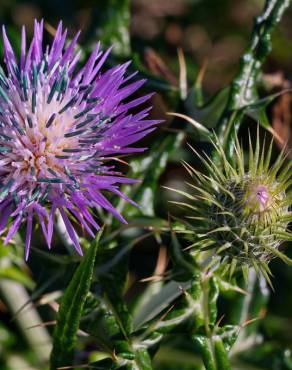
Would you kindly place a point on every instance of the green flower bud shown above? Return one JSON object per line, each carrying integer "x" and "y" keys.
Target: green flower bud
{"x": 240, "y": 212}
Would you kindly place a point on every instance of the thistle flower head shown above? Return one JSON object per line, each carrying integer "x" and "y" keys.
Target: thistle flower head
{"x": 59, "y": 126}
{"x": 240, "y": 212}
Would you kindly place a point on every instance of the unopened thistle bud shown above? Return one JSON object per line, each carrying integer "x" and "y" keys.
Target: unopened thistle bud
{"x": 240, "y": 211}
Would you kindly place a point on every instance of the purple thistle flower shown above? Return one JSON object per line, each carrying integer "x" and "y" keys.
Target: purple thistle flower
{"x": 58, "y": 128}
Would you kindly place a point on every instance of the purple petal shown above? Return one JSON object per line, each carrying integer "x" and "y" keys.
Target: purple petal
{"x": 13, "y": 228}
{"x": 23, "y": 48}
{"x": 28, "y": 233}
{"x": 71, "y": 231}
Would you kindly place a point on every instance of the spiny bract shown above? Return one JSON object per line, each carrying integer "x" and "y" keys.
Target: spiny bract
{"x": 240, "y": 213}
{"x": 58, "y": 128}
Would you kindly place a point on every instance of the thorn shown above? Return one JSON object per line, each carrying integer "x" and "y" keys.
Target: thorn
{"x": 202, "y": 72}
{"x": 42, "y": 324}
{"x": 154, "y": 278}
{"x": 219, "y": 321}
{"x": 51, "y": 30}
{"x": 183, "y": 84}
{"x": 250, "y": 321}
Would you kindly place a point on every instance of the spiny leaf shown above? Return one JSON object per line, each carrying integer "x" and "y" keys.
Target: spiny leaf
{"x": 208, "y": 113}
{"x": 68, "y": 319}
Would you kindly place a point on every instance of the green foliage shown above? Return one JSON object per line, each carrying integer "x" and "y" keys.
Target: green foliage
{"x": 149, "y": 169}
{"x": 191, "y": 314}
{"x": 243, "y": 88}
{"x": 69, "y": 314}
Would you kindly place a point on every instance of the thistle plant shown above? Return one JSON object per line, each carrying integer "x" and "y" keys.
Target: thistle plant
{"x": 156, "y": 293}
{"x": 60, "y": 127}
{"x": 238, "y": 211}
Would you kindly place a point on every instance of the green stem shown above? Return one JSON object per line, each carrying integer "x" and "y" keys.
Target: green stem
{"x": 221, "y": 356}
{"x": 243, "y": 87}
{"x": 205, "y": 304}
{"x": 213, "y": 353}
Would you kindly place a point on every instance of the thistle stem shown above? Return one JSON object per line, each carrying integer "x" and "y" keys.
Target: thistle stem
{"x": 243, "y": 87}
{"x": 213, "y": 353}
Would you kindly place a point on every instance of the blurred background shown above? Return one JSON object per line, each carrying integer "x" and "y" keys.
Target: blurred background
{"x": 210, "y": 32}
{"x": 155, "y": 34}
